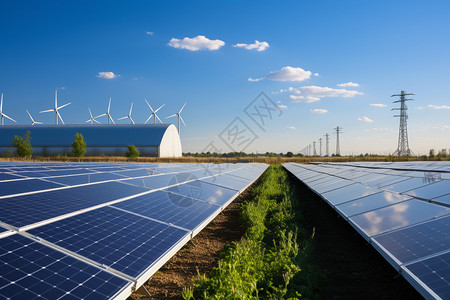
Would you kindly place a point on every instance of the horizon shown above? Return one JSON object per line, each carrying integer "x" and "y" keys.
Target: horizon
{"x": 285, "y": 74}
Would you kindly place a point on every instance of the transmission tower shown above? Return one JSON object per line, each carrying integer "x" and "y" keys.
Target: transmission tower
{"x": 327, "y": 143}
{"x": 320, "y": 147}
{"x": 403, "y": 145}
{"x": 338, "y": 148}
{"x": 309, "y": 149}
{"x": 314, "y": 149}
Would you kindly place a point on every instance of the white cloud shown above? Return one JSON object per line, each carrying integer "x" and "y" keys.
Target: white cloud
{"x": 281, "y": 106}
{"x": 199, "y": 42}
{"x": 314, "y": 93}
{"x": 258, "y": 46}
{"x": 318, "y": 111}
{"x": 348, "y": 84}
{"x": 365, "y": 119}
{"x": 378, "y": 105}
{"x": 254, "y": 79}
{"x": 316, "y": 74}
{"x": 107, "y": 75}
{"x": 290, "y": 127}
{"x": 286, "y": 74}
{"x": 149, "y": 32}
{"x": 438, "y": 106}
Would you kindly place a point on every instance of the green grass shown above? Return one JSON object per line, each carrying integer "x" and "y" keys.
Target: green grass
{"x": 274, "y": 258}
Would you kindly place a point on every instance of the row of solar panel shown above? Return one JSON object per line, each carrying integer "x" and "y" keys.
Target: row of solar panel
{"x": 404, "y": 214}
{"x": 104, "y": 239}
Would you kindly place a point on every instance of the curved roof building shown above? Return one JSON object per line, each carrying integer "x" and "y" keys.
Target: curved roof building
{"x": 161, "y": 140}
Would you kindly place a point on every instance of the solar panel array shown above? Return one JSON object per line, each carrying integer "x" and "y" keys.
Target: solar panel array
{"x": 100, "y": 230}
{"x": 402, "y": 209}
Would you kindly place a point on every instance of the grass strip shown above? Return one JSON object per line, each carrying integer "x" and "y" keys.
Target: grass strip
{"x": 274, "y": 259}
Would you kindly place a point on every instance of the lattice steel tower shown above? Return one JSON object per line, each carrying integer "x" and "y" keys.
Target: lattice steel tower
{"x": 403, "y": 145}
{"x": 320, "y": 147}
{"x": 338, "y": 148}
{"x": 314, "y": 149}
{"x": 327, "y": 143}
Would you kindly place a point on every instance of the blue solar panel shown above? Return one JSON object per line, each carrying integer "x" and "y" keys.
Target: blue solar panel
{"x": 228, "y": 181}
{"x": 24, "y": 186}
{"x": 117, "y": 239}
{"x": 349, "y": 192}
{"x": 417, "y": 241}
{"x": 179, "y": 210}
{"x": 83, "y": 179}
{"x": 432, "y": 190}
{"x": 24, "y": 210}
{"x": 6, "y": 176}
{"x": 30, "y": 270}
{"x": 371, "y": 202}
{"x": 407, "y": 185}
{"x": 398, "y": 215}
{"x": 204, "y": 191}
{"x": 434, "y": 273}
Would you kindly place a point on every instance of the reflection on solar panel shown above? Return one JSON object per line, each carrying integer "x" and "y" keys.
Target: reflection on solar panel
{"x": 100, "y": 230}
{"x": 402, "y": 209}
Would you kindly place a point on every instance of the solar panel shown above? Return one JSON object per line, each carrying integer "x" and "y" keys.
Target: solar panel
{"x": 97, "y": 216}
{"x": 31, "y": 270}
{"x": 123, "y": 241}
{"x": 413, "y": 234}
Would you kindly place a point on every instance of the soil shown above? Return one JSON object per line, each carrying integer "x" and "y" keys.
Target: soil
{"x": 201, "y": 253}
{"x": 353, "y": 268}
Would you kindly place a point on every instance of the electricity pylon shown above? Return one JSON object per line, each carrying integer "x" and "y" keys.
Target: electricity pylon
{"x": 403, "y": 145}
{"x": 338, "y": 148}
{"x": 320, "y": 147}
{"x": 327, "y": 143}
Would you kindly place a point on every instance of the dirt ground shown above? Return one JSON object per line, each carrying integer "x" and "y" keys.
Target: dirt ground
{"x": 200, "y": 253}
{"x": 354, "y": 269}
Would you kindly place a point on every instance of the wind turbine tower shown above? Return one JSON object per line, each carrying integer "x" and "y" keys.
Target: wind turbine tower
{"x": 338, "y": 148}
{"x": 56, "y": 109}
{"x": 179, "y": 117}
{"x": 327, "y": 143}
{"x": 403, "y": 145}
{"x": 320, "y": 147}
{"x": 1, "y": 111}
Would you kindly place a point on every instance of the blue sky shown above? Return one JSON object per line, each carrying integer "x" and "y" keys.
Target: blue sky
{"x": 306, "y": 49}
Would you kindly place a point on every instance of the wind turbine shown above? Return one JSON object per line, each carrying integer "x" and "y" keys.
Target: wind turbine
{"x": 179, "y": 117}
{"x": 32, "y": 120}
{"x": 56, "y": 108}
{"x": 1, "y": 111}
{"x": 129, "y": 115}
{"x": 153, "y": 113}
{"x": 92, "y": 119}
{"x": 107, "y": 114}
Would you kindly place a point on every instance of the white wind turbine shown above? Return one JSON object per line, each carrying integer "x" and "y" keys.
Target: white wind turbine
{"x": 129, "y": 115}
{"x": 110, "y": 119}
{"x": 153, "y": 113}
{"x": 1, "y": 111}
{"x": 57, "y": 114}
{"x": 179, "y": 117}
{"x": 92, "y": 119}
{"x": 32, "y": 120}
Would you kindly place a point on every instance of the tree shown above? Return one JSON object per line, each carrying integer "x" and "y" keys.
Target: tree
{"x": 23, "y": 145}
{"x": 132, "y": 152}
{"x": 289, "y": 154}
{"x": 79, "y": 146}
{"x": 431, "y": 155}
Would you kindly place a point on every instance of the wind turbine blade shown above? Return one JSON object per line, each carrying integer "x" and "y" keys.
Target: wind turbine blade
{"x": 183, "y": 121}
{"x": 112, "y": 120}
{"x": 132, "y": 121}
{"x": 102, "y": 115}
{"x": 182, "y": 108}
{"x": 1, "y": 104}
{"x": 159, "y": 108}
{"x": 62, "y": 121}
{"x": 48, "y": 110}
{"x": 131, "y": 108}
{"x": 148, "y": 119}
{"x": 159, "y": 119}
{"x": 38, "y": 123}
{"x": 90, "y": 112}
{"x": 88, "y": 121}
{"x": 9, "y": 118}
{"x": 56, "y": 98}
{"x": 148, "y": 104}
{"x": 171, "y": 116}
{"x": 30, "y": 115}
{"x": 64, "y": 105}
{"x": 96, "y": 121}
{"x": 109, "y": 105}
{"x": 122, "y": 118}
